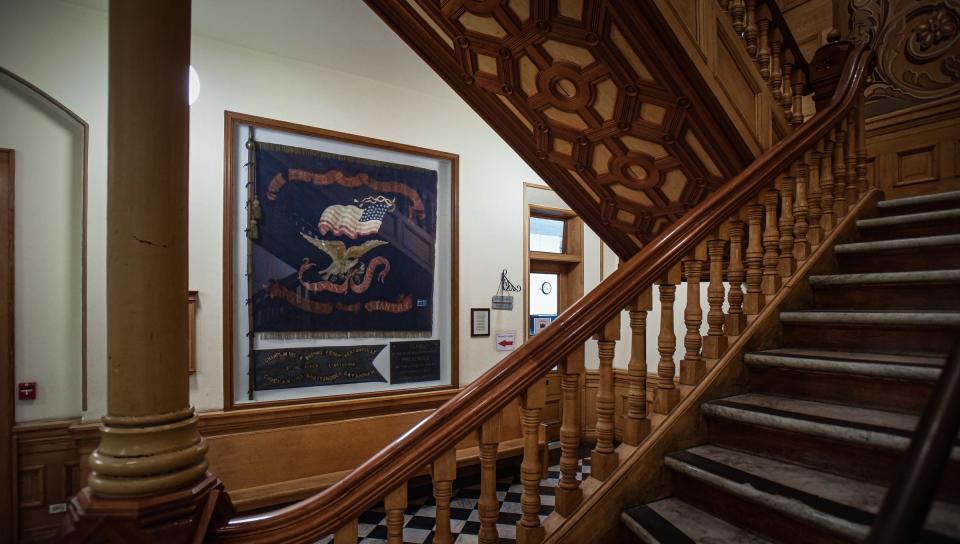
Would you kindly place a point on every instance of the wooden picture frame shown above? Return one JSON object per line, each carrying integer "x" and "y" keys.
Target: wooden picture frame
{"x": 232, "y": 120}
{"x": 479, "y": 322}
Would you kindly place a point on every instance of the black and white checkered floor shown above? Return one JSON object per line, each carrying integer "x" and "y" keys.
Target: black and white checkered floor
{"x": 419, "y": 521}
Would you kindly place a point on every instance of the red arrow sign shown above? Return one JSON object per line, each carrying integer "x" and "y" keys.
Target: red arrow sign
{"x": 505, "y": 343}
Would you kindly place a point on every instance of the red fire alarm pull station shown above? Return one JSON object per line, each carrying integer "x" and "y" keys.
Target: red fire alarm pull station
{"x": 27, "y": 390}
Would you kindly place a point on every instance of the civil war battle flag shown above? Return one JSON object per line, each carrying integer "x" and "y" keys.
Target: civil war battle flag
{"x": 344, "y": 246}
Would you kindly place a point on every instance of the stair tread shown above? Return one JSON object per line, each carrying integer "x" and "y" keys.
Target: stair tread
{"x": 909, "y": 218}
{"x": 840, "y": 504}
{"x": 844, "y": 423}
{"x": 920, "y": 276}
{"x": 886, "y": 317}
{"x": 898, "y": 243}
{"x": 895, "y": 203}
{"x": 881, "y": 369}
{"x": 674, "y": 521}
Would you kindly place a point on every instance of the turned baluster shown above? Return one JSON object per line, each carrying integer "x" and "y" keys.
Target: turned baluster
{"x": 715, "y": 342}
{"x": 853, "y": 188}
{"x": 839, "y": 175}
{"x": 797, "y": 107}
{"x": 787, "y": 265}
{"x": 568, "y": 492}
{"x": 667, "y": 396}
{"x": 692, "y": 366}
{"x": 532, "y": 401}
{"x": 735, "y": 321}
{"x": 488, "y": 506}
{"x": 771, "y": 239}
{"x": 347, "y": 534}
{"x": 763, "y": 48}
{"x": 750, "y": 28}
{"x": 738, "y": 13}
{"x": 724, "y": 5}
{"x": 443, "y": 471}
{"x": 754, "y": 300}
{"x": 787, "y": 93}
{"x": 603, "y": 459}
{"x": 395, "y": 503}
{"x": 776, "y": 73}
{"x": 636, "y": 426}
{"x": 862, "y": 180}
{"x": 826, "y": 186}
{"x": 814, "y": 234}
{"x": 801, "y": 247}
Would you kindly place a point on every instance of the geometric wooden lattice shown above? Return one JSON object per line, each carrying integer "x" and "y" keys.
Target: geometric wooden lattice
{"x": 596, "y": 95}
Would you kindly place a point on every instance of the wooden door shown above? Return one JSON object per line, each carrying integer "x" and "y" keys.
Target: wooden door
{"x": 7, "y": 468}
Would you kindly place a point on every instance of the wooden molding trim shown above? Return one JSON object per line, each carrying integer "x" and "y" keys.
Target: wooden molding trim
{"x": 231, "y": 121}
{"x": 8, "y": 492}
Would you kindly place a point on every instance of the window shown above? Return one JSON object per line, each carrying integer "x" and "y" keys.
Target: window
{"x": 546, "y": 235}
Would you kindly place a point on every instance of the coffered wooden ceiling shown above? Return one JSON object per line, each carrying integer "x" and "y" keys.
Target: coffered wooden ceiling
{"x": 596, "y": 95}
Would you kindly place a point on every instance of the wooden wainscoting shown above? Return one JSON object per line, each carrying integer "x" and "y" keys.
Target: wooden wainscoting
{"x": 916, "y": 150}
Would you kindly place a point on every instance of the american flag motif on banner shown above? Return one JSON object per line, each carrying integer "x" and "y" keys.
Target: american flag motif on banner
{"x": 352, "y": 221}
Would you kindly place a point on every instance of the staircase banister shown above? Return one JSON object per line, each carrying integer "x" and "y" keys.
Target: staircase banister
{"x": 320, "y": 515}
{"x": 800, "y": 62}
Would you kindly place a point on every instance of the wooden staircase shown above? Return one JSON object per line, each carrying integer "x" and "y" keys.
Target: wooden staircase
{"x": 806, "y": 454}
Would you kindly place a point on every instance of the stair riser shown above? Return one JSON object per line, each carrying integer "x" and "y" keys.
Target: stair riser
{"x": 903, "y": 260}
{"x": 749, "y": 515}
{"x": 909, "y": 230}
{"x": 845, "y": 459}
{"x": 881, "y": 393}
{"x": 887, "y": 297}
{"x": 873, "y": 338}
{"x": 919, "y": 208}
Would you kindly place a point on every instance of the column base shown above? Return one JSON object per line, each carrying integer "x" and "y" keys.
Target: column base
{"x": 635, "y": 430}
{"x": 714, "y": 346}
{"x": 801, "y": 251}
{"x": 787, "y": 267}
{"x": 179, "y": 516}
{"x": 602, "y": 465}
{"x": 567, "y": 500}
{"x": 691, "y": 372}
{"x": 529, "y": 535}
{"x": 753, "y": 303}
{"x": 665, "y": 400}
{"x": 734, "y": 324}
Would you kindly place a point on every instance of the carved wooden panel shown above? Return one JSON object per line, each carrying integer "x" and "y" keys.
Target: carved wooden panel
{"x": 597, "y": 96}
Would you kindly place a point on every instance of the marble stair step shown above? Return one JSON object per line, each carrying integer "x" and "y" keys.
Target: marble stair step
{"x": 915, "y": 204}
{"x": 924, "y": 289}
{"x": 673, "y": 521}
{"x": 909, "y": 225}
{"x": 864, "y": 427}
{"x": 888, "y": 367}
{"x": 823, "y": 501}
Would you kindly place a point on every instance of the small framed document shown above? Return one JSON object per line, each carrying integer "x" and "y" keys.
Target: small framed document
{"x": 479, "y": 321}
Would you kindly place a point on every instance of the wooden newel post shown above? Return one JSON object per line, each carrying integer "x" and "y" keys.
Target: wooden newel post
{"x": 636, "y": 425}
{"x": 149, "y": 479}
{"x": 827, "y": 67}
{"x": 604, "y": 459}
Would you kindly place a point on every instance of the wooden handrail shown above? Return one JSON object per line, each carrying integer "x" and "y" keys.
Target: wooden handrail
{"x": 322, "y": 514}
{"x": 907, "y": 502}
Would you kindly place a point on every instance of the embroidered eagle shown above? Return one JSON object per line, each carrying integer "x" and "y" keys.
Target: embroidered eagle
{"x": 346, "y": 261}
